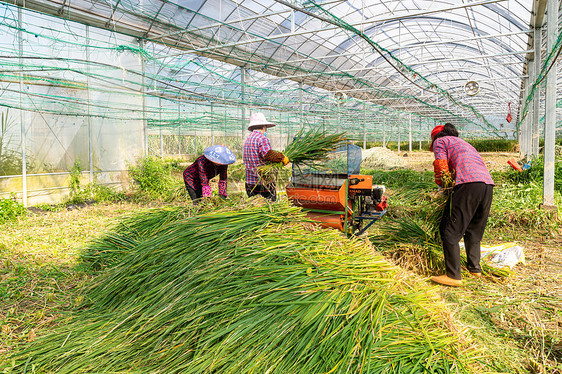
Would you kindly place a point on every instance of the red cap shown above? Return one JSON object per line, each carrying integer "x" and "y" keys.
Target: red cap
{"x": 436, "y": 130}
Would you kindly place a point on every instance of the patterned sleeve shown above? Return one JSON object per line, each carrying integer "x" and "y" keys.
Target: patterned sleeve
{"x": 440, "y": 165}
{"x": 439, "y": 149}
{"x": 264, "y": 147}
{"x": 273, "y": 156}
{"x": 223, "y": 172}
{"x": 202, "y": 171}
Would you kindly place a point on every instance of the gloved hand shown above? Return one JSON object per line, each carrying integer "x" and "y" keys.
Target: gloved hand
{"x": 222, "y": 188}
{"x": 207, "y": 191}
{"x": 273, "y": 156}
{"x": 285, "y": 160}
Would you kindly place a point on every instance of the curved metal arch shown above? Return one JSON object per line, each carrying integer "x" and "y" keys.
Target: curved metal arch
{"x": 496, "y": 9}
{"x": 472, "y": 74}
{"x": 437, "y": 73}
{"x": 493, "y": 9}
{"x": 473, "y": 49}
{"x": 351, "y": 40}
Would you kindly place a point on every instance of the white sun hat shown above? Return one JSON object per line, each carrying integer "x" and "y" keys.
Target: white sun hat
{"x": 258, "y": 120}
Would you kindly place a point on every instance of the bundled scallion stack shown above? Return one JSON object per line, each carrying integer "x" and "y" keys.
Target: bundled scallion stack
{"x": 307, "y": 146}
{"x": 249, "y": 290}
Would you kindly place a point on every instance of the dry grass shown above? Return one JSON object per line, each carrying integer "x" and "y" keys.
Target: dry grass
{"x": 38, "y": 255}
{"x": 518, "y": 318}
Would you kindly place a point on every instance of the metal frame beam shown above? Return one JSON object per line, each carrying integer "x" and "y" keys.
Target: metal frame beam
{"x": 335, "y": 72}
{"x": 315, "y": 31}
{"x": 454, "y": 41}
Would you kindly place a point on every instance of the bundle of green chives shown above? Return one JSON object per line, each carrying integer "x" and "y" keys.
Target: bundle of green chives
{"x": 306, "y": 147}
{"x": 251, "y": 291}
{"x": 312, "y": 145}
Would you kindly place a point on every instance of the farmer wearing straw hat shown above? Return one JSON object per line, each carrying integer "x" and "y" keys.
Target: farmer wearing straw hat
{"x": 468, "y": 206}
{"x": 257, "y": 151}
{"x": 215, "y": 160}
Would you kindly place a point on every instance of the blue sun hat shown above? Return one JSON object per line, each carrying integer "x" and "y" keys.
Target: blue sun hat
{"x": 219, "y": 154}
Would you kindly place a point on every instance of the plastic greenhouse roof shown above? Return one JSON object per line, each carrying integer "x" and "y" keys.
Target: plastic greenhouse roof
{"x": 414, "y": 56}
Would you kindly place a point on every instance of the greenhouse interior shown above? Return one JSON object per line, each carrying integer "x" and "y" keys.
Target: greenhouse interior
{"x": 102, "y": 83}
{"x": 280, "y": 187}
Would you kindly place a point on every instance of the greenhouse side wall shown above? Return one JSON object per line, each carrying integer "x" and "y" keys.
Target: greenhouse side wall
{"x": 71, "y": 100}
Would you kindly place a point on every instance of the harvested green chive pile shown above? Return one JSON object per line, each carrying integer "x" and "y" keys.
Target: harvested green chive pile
{"x": 248, "y": 290}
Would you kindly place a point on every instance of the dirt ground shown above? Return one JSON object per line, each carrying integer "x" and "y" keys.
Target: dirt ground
{"x": 422, "y": 161}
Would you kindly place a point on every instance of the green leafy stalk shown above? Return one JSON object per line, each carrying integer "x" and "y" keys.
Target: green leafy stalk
{"x": 307, "y": 146}
{"x": 312, "y": 145}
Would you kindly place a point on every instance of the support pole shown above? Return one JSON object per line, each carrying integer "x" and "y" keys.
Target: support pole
{"x": 301, "y": 106}
{"x": 143, "y": 97}
{"x": 524, "y": 132}
{"x": 429, "y": 132}
{"x": 384, "y": 132}
{"x": 179, "y": 134}
{"x": 398, "y": 137}
{"x": 243, "y": 93}
{"x": 161, "y": 135}
{"x": 536, "y": 99}
{"x": 22, "y": 122}
{"x": 195, "y": 139}
{"x": 531, "y": 114}
{"x": 420, "y": 134}
{"x": 550, "y": 102}
{"x": 89, "y": 116}
{"x": 213, "y": 125}
{"x": 364, "y": 126}
{"x": 410, "y": 134}
{"x": 339, "y": 118}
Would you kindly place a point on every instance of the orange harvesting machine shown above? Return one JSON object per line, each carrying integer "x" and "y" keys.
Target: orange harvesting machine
{"x": 334, "y": 193}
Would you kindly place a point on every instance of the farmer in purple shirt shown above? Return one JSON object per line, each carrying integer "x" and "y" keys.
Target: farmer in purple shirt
{"x": 214, "y": 161}
{"x": 257, "y": 151}
{"x": 467, "y": 209}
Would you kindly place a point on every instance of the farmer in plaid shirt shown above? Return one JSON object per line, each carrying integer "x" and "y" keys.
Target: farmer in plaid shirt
{"x": 257, "y": 151}
{"x": 467, "y": 209}
{"x": 214, "y": 161}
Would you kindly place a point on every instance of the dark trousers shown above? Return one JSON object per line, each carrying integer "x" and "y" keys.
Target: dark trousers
{"x": 258, "y": 189}
{"x": 195, "y": 195}
{"x": 465, "y": 215}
